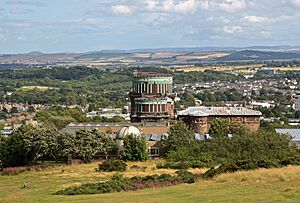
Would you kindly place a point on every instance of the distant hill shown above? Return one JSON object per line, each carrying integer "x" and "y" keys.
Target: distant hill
{"x": 157, "y": 56}
{"x": 253, "y": 55}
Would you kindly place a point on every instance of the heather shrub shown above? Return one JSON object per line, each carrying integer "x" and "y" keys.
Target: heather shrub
{"x": 112, "y": 165}
{"x": 119, "y": 183}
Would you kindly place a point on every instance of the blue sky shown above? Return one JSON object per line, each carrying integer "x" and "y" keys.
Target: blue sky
{"x": 89, "y": 25}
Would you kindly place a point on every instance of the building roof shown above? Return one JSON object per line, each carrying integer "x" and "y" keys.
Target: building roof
{"x": 294, "y": 133}
{"x": 151, "y": 74}
{"x": 218, "y": 111}
{"x": 125, "y": 131}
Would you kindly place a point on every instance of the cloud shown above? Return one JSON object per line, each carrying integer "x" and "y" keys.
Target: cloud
{"x": 20, "y": 11}
{"x": 121, "y": 10}
{"x": 265, "y": 33}
{"x": 232, "y": 29}
{"x": 84, "y": 21}
{"x": 255, "y": 19}
{"x": 295, "y": 3}
{"x": 2, "y": 37}
{"x": 26, "y": 2}
{"x": 228, "y": 5}
{"x": 191, "y": 6}
{"x": 261, "y": 19}
{"x": 21, "y": 38}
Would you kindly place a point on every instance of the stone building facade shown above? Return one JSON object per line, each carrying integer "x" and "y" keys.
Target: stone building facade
{"x": 152, "y": 97}
{"x": 200, "y": 118}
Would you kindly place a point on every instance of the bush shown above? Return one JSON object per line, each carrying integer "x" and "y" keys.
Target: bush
{"x": 185, "y": 176}
{"x": 119, "y": 183}
{"x": 183, "y": 165}
{"x": 112, "y": 165}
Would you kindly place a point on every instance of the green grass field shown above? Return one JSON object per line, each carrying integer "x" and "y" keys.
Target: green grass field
{"x": 30, "y": 88}
{"x": 263, "y": 185}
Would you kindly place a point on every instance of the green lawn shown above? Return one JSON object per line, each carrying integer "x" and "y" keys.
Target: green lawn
{"x": 264, "y": 185}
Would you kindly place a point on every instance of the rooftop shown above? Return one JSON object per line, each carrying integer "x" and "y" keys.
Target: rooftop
{"x": 218, "y": 111}
{"x": 294, "y": 133}
{"x": 150, "y": 74}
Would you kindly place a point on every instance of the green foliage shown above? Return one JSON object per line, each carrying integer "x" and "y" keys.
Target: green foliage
{"x": 249, "y": 165}
{"x": 119, "y": 183}
{"x": 14, "y": 110}
{"x": 219, "y": 128}
{"x": 31, "y": 109}
{"x": 262, "y": 145}
{"x": 29, "y": 145}
{"x": 206, "y": 76}
{"x": 183, "y": 165}
{"x": 220, "y": 96}
{"x": 179, "y": 135}
{"x": 67, "y": 86}
{"x": 89, "y": 143}
{"x": 186, "y": 176}
{"x": 112, "y": 165}
{"x": 187, "y": 99}
{"x": 135, "y": 148}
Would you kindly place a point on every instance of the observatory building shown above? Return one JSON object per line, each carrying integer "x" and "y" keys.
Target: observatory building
{"x": 152, "y": 97}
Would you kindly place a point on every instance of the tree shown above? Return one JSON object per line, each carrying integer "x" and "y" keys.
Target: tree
{"x": 31, "y": 109}
{"x": 14, "y": 110}
{"x": 4, "y": 110}
{"x": 219, "y": 128}
{"x": 135, "y": 148}
{"x": 179, "y": 135}
{"x": 86, "y": 146}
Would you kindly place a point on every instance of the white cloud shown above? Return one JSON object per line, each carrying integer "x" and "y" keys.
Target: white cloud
{"x": 255, "y": 19}
{"x": 230, "y": 6}
{"x": 21, "y": 38}
{"x": 232, "y": 29}
{"x": 265, "y": 33}
{"x": 186, "y": 6}
{"x": 295, "y": 2}
{"x": 261, "y": 19}
{"x": 121, "y": 10}
{"x": 191, "y": 6}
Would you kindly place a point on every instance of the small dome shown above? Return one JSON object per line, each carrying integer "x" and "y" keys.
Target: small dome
{"x": 123, "y": 132}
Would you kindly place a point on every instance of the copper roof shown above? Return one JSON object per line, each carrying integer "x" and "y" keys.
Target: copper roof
{"x": 150, "y": 74}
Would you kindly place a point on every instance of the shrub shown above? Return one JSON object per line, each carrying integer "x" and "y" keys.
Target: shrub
{"x": 119, "y": 183}
{"x": 112, "y": 165}
{"x": 183, "y": 165}
{"x": 185, "y": 176}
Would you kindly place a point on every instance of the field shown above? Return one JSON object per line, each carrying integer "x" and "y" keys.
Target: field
{"x": 263, "y": 185}
{"x": 237, "y": 69}
{"x": 29, "y": 88}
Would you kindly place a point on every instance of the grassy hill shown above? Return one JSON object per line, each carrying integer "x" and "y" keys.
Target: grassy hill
{"x": 263, "y": 185}
{"x": 253, "y": 55}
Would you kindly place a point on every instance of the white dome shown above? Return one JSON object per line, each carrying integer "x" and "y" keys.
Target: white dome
{"x": 123, "y": 132}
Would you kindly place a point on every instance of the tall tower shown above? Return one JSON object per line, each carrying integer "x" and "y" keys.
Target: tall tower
{"x": 151, "y": 97}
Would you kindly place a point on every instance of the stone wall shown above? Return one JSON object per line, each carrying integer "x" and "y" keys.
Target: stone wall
{"x": 202, "y": 124}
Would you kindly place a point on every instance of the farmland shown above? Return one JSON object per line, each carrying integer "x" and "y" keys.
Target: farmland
{"x": 280, "y": 184}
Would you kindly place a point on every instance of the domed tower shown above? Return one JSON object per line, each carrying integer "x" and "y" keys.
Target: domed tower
{"x": 151, "y": 97}
{"x": 123, "y": 132}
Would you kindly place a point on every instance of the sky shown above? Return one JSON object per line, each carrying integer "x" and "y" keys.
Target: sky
{"x": 93, "y": 25}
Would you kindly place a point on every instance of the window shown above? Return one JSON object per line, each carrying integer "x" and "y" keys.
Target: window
{"x": 153, "y": 151}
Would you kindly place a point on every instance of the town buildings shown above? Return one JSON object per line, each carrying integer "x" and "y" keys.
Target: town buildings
{"x": 200, "y": 118}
